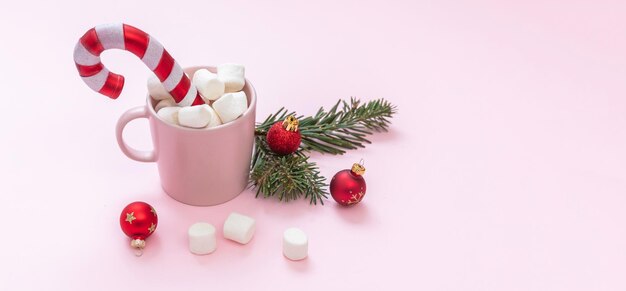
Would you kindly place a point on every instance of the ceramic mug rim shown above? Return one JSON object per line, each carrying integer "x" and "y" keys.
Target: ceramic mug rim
{"x": 239, "y": 119}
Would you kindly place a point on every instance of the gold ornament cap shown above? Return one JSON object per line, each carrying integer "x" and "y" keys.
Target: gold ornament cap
{"x": 358, "y": 169}
{"x": 291, "y": 123}
{"x": 138, "y": 243}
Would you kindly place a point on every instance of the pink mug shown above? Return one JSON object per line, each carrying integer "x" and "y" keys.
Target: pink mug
{"x": 197, "y": 166}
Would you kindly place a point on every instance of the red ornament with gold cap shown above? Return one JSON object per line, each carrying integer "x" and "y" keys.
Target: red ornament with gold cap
{"x": 348, "y": 186}
{"x": 284, "y": 137}
{"x": 138, "y": 221}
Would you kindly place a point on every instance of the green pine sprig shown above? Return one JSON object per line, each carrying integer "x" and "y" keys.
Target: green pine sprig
{"x": 343, "y": 127}
{"x": 286, "y": 177}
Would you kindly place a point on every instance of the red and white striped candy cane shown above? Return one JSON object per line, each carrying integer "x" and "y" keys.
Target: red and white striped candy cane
{"x": 148, "y": 49}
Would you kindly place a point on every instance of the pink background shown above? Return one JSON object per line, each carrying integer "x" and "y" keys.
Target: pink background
{"x": 504, "y": 170}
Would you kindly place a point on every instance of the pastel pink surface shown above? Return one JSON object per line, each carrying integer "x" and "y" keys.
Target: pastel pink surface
{"x": 504, "y": 170}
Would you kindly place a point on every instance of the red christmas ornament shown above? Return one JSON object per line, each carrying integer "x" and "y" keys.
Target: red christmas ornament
{"x": 348, "y": 186}
{"x": 138, "y": 221}
{"x": 284, "y": 137}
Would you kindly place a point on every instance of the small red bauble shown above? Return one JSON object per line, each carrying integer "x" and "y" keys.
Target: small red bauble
{"x": 138, "y": 221}
{"x": 284, "y": 137}
{"x": 348, "y": 186}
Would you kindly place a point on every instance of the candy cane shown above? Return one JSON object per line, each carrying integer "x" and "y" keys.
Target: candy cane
{"x": 148, "y": 49}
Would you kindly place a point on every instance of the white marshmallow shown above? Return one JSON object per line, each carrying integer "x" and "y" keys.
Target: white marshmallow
{"x": 295, "y": 244}
{"x": 169, "y": 114}
{"x": 202, "y": 238}
{"x": 215, "y": 119}
{"x": 230, "y": 106}
{"x": 239, "y": 228}
{"x": 233, "y": 76}
{"x": 163, "y": 104}
{"x": 156, "y": 89}
{"x": 195, "y": 116}
{"x": 207, "y": 83}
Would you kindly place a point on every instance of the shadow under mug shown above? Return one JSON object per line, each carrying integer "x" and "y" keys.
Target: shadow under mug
{"x": 199, "y": 167}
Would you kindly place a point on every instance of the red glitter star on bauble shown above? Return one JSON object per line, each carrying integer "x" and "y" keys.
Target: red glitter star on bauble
{"x": 348, "y": 186}
{"x": 284, "y": 137}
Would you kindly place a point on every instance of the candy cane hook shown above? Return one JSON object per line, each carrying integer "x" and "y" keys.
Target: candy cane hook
{"x": 148, "y": 49}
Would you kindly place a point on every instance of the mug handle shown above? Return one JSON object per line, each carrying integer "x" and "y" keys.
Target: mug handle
{"x": 128, "y": 116}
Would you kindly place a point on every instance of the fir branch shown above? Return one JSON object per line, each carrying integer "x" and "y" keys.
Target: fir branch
{"x": 343, "y": 127}
{"x": 287, "y": 177}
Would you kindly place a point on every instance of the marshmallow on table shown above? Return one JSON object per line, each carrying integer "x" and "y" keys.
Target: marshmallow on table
{"x": 156, "y": 89}
{"x": 239, "y": 228}
{"x": 202, "y": 239}
{"x": 169, "y": 114}
{"x": 195, "y": 116}
{"x": 231, "y": 105}
{"x": 164, "y": 103}
{"x": 295, "y": 244}
{"x": 207, "y": 83}
{"x": 233, "y": 76}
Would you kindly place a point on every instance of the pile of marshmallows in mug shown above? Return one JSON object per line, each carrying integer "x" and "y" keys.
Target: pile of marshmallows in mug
{"x": 221, "y": 90}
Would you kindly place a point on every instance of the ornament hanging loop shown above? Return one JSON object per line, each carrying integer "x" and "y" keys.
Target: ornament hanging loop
{"x": 138, "y": 244}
